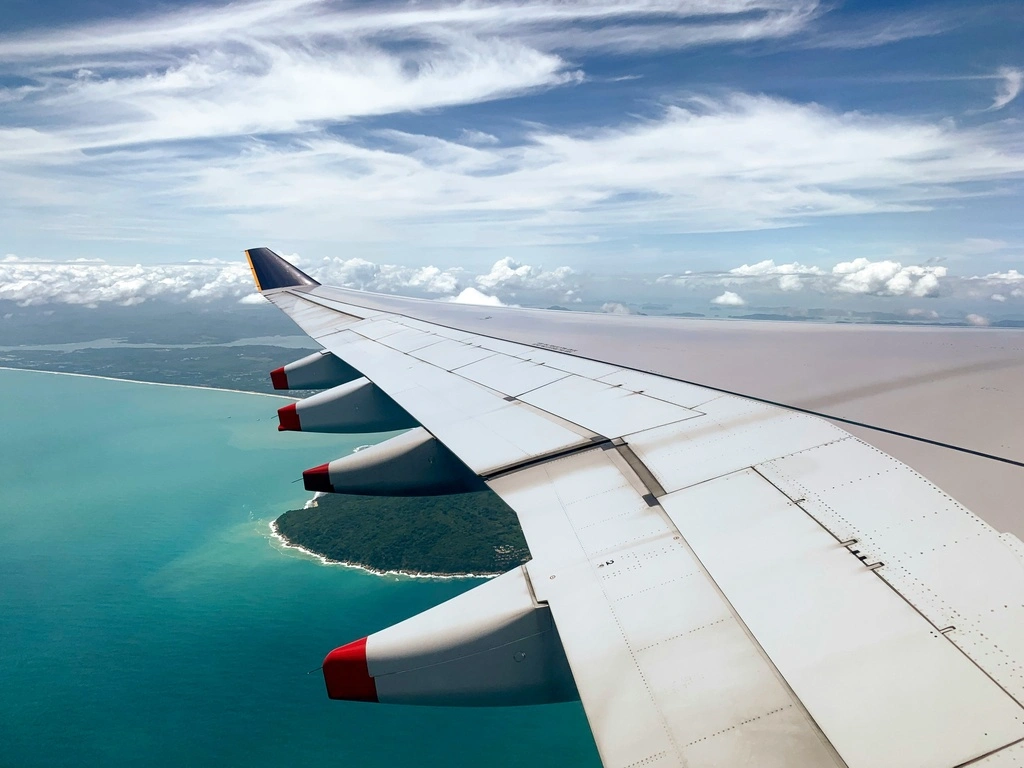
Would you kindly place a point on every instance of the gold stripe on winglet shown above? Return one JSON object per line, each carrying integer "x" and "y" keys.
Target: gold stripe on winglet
{"x": 254, "y": 278}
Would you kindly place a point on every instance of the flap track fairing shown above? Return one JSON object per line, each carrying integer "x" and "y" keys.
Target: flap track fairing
{"x": 412, "y": 464}
{"x": 317, "y": 371}
{"x": 494, "y": 645}
{"x": 357, "y": 406}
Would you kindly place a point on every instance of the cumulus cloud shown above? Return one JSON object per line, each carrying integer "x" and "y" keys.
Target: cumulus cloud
{"x": 386, "y": 278}
{"x": 471, "y": 295}
{"x": 729, "y": 299}
{"x": 1010, "y": 84}
{"x": 979, "y": 320}
{"x": 92, "y": 282}
{"x": 861, "y": 276}
{"x": 887, "y": 278}
{"x": 1008, "y": 284}
{"x": 509, "y": 276}
{"x": 615, "y": 308}
{"x": 1011, "y": 276}
{"x": 790, "y": 276}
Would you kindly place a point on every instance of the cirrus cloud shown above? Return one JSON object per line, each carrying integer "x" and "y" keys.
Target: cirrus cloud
{"x": 1011, "y": 82}
{"x": 254, "y": 116}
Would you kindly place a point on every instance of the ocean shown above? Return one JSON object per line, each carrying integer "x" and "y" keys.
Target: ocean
{"x": 147, "y": 617}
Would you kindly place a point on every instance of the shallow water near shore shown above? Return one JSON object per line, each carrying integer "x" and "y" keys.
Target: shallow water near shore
{"x": 147, "y": 617}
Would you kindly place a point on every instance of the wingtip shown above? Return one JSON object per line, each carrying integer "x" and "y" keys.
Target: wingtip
{"x": 271, "y": 271}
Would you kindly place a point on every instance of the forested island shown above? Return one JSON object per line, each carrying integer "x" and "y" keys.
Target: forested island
{"x": 439, "y": 535}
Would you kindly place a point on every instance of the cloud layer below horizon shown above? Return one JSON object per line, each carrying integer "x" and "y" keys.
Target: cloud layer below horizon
{"x": 92, "y": 283}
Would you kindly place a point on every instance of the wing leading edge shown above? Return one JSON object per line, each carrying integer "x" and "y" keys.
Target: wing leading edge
{"x": 731, "y": 583}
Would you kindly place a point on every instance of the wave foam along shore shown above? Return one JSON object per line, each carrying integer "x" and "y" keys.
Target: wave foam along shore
{"x": 284, "y": 542}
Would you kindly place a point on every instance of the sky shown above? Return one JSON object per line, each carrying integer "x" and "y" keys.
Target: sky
{"x": 728, "y": 154}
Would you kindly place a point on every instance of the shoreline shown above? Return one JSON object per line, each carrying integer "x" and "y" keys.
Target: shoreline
{"x": 150, "y": 383}
{"x": 281, "y": 540}
{"x": 284, "y": 542}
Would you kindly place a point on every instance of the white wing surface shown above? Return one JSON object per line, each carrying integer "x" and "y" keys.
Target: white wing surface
{"x": 732, "y": 583}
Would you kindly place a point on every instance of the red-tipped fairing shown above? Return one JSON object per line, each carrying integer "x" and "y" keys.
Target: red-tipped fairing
{"x": 279, "y": 378}
{"x": 411, "y": 464}
{"x": 318, "y": 479}
{"x": 356, "y": 406}
{"x": 289, "y": 419}
{"x": 346, "y": 674}
{"x": 493, "y": 646}
{"x": 320, "y": 370}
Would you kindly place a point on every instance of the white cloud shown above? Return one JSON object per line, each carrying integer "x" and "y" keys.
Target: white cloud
{"x": 979, "y": 320}
{"x": 729, "y": 299}
{"x": 880, "y": 30}
{"x": 471, "y": 295}
{"x": 790, "y": 276}
{"x": 265, "y": 67}
{"x": 470, "y": 136}
{"x": 928, "y": 314}
{"x": 123, "y": 118}
{"x": 91, "y": 282}
{"x": 746, "y": 162}
{"x": 887, "y": 278}
{"x": 1011, "y": 82}
{"x": 615, "y": 308}
{"x": 1008, "y": 284}
{"x": 385, "y": 278}
{"x": 692, "y": 20}
{"x": 94, "y": 283}
{"x": 769, "y": 267}
{"x": 861, "y": 276}
{"x": 509, "y": 274}
{"x": 1010, "y": 276}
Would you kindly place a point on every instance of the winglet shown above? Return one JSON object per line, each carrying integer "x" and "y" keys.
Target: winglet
{"x": 271, "y": 271}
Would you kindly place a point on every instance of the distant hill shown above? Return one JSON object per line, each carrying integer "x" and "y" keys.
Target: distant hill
{"x": 463, "y": 533}
{"x": 769, "y": 316}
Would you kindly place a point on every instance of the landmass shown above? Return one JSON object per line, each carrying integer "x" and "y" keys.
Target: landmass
{"x": 244, "y": 368}
{"x": 462, "y": 534}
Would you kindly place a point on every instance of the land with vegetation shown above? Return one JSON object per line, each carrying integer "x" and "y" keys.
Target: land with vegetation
{"x": 468, "y": 533}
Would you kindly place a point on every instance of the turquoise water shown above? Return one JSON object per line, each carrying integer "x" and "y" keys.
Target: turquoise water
{"x": 147, "y": 618}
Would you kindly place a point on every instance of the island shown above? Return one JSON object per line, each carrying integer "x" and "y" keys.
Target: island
{"x": 462, "y": 534}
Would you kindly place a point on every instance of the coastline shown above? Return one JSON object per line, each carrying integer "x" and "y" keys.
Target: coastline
{"x": 280, "y": 540}
{"x": 150, "y": 383}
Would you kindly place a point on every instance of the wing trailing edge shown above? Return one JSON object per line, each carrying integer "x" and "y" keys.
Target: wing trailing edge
{"x": 270, "y": 271}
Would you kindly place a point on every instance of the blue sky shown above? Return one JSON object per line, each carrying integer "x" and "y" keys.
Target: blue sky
{"x": 861, "y": 149}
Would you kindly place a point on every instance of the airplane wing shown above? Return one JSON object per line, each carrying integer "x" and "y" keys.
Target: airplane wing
{"x": 721, "y": 580}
